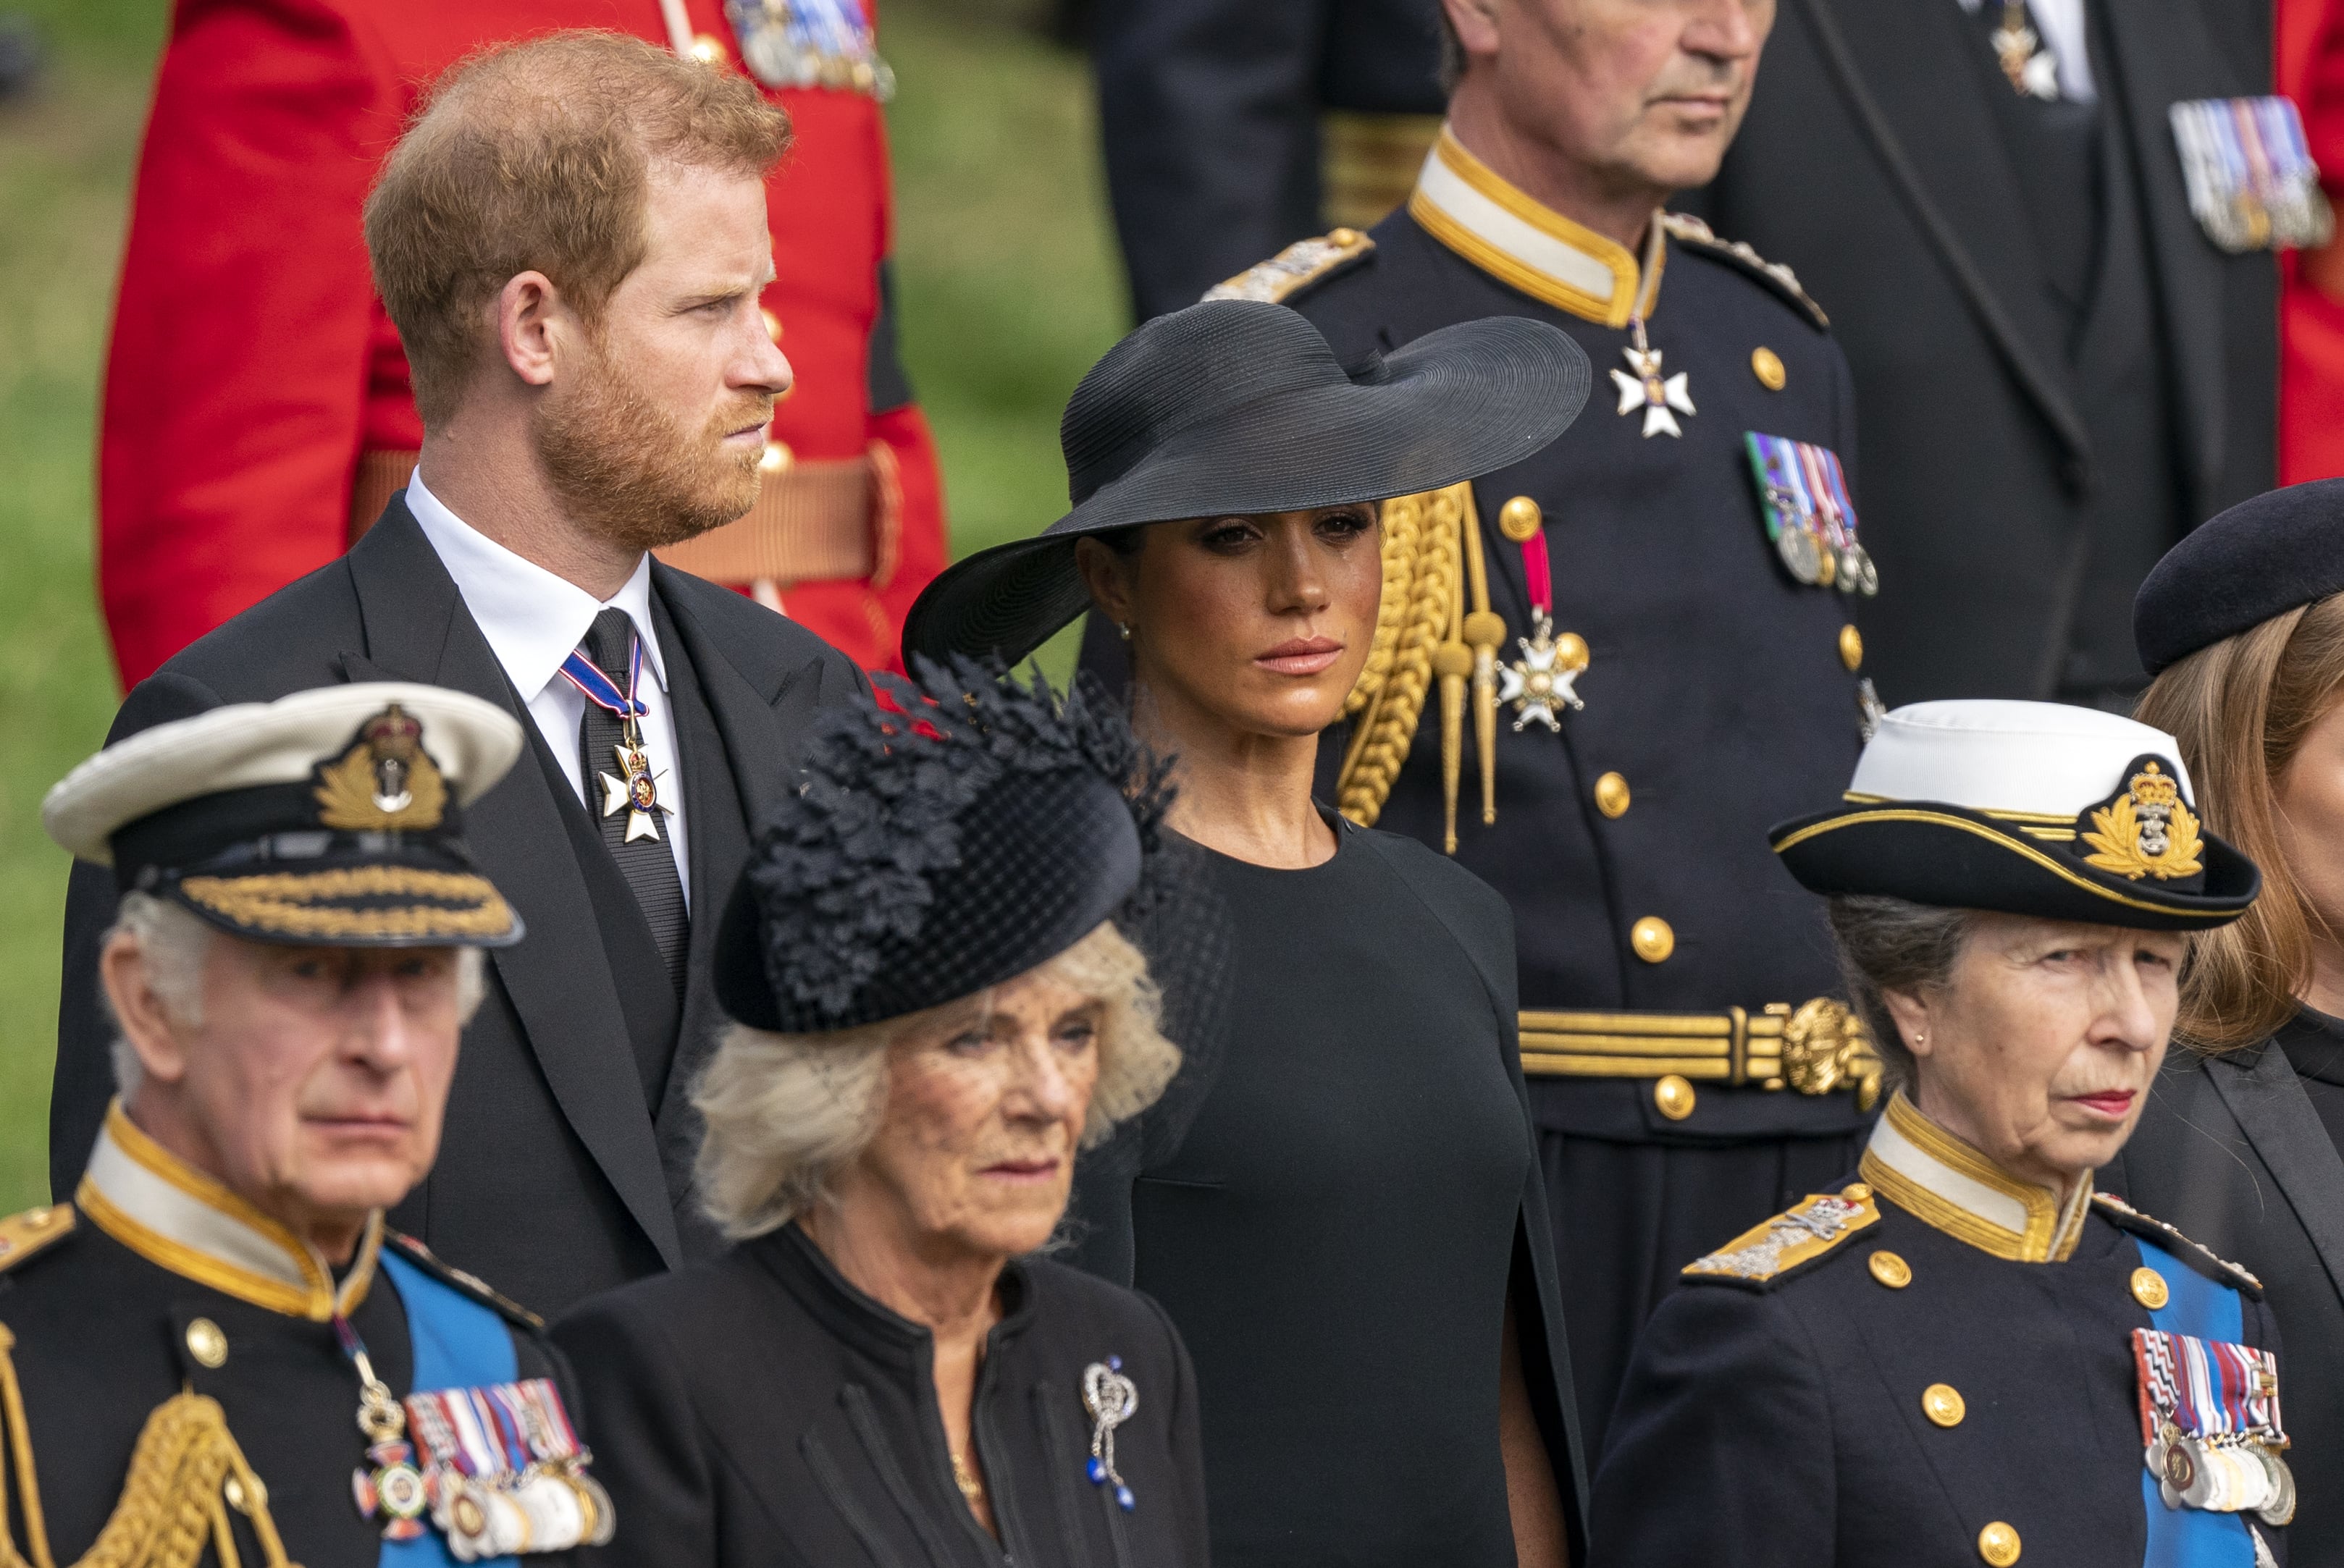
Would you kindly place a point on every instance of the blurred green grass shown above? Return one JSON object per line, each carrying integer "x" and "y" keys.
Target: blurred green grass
{"x": 1006, "y": 281}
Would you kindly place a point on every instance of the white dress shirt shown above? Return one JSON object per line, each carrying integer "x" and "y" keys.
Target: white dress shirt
{"x": 534, "y": 620}
{"x": 2060, "y": 25}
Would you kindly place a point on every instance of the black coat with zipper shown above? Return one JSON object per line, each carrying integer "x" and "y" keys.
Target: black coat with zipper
{"x": 756, "y": 1411}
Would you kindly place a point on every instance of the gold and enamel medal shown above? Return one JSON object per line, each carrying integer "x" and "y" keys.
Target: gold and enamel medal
{"x": 634, "y": 789}
{"x": 2031, "y": 69}
{"x": 1544, "y": 680}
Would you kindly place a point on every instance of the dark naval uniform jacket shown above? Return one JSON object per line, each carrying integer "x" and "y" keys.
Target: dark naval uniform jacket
{"x": 566, "y": 1166}
{"x": 2060, "y": 372}
{"x": 1931, "y": 1368}
{"x": 757, "y": 1411}
{"x": 2242, "y": 1150}
{"x": 1654, "y": 930}
{"x": 156, "y": 1282}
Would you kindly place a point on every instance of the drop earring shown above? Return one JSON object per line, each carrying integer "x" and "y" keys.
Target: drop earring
{"x": 1124, "y": 628}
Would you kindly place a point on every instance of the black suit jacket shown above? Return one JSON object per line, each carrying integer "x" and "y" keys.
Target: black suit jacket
{"x": 554, "y": 1179}
{"x": 1870, "y": 163}
{"x": 2231, "y": 1150}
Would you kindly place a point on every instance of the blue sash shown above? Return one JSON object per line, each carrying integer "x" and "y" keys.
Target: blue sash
{"x": 459, "y": 1343}
{"x": 2192, "y": 1537}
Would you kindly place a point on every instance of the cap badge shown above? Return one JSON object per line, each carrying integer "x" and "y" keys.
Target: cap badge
{"x": 2146, "y": 832}
{"x": 385, "y": 782}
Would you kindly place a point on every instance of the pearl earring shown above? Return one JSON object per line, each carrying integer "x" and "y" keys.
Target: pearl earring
{"x": 1125, "y": 627}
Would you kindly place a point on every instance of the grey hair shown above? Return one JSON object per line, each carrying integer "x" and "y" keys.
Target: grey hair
{"x": 1894, "y": 944}
{"x": 176, "y": 943}
{"x": 786, "y": 1114}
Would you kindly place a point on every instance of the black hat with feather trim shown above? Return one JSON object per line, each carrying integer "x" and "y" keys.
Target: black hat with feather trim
{"x": 949, "y": 838}
{"x": 2025, "y": 808}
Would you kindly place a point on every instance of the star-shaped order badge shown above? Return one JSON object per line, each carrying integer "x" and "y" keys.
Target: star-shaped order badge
{"x": 1546, "y": 676}
{"x": 636, "y": 792}
{"x": 1649, "y": 390}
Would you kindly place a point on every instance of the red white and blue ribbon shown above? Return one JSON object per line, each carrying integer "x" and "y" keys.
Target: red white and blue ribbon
{"x": 2206, "y": 1388}
{"x": 588, "y": 678}
{"x": 485, "y": 1433}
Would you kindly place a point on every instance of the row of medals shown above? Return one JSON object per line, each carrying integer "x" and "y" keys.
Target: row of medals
{"x": 2221, "y": 1477}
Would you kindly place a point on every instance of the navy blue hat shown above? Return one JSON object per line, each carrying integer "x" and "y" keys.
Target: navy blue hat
{"x": 2262, "y": 557}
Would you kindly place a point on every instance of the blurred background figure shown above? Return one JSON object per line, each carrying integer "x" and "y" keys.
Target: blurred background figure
{"x": 258, "y": 411}
{"x": 2061, "y": 367}
{"x": 20, "y": 55}
{"x": 2307, "y": 59}
{"x": 1233, "y": 128}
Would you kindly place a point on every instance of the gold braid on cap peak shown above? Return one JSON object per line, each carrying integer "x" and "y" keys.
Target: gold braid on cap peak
{"x": 1421, "y": 630}
{"x": 185, "y": 1473}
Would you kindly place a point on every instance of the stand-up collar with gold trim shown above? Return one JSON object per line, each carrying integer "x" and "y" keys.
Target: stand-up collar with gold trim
{"x": 1946, "y": 1183}
{"x": 1462, "y": 203}
{"x": 179, "y": 1218}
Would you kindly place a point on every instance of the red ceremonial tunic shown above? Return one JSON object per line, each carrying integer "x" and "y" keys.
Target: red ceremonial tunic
{"x": 252, "y": 371}
{"x": 2309, "y": 67}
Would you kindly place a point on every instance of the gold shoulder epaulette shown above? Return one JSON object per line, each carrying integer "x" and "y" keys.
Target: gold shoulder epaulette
{"x": 34, "y": 1231}
{"x": 2125, "y": 1216}
{"x": 1687, "y": 229}
{"x": 472, "y": 1285}
{"x": 1296, "y": 267}
{"x": 1791, "y": 1239}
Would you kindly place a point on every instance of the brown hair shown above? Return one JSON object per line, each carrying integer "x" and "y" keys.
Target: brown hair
{"x": 2240, "y": 708}
{"x": 537, "y": 157}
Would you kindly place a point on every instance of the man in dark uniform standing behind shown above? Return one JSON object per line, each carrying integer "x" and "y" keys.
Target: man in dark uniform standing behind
{"x": 2061, "y": 369}
{"x": 1614, "y": 630}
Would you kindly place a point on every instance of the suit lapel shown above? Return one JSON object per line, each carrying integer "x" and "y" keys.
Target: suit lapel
{"x": 418, "y": 630}
{"x": 1947, "y": 161}
{"x": 2161, "y": 54}
{"x": 2286, "y": 1132}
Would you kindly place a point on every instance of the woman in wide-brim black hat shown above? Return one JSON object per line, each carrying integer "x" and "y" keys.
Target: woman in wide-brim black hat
{"x": 1345, "y": 1220}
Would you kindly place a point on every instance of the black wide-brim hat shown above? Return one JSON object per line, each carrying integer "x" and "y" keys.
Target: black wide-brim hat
{"x": 330, "y": 818}
{"x": 2026, "y": 809}
{"x": 961, "y": 833}
{"x": 1239, "y": 408}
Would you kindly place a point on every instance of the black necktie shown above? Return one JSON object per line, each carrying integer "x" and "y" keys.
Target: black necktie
{"x": 647, "y": 863}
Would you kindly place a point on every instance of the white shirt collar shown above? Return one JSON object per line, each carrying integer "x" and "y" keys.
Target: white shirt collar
{"x": 533, "y": 618}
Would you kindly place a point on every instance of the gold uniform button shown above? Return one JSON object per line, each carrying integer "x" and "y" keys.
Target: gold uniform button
{"x": 1998, "y": 1544}
{"x": 1767, "y": 365}
{"x": 1855, "y": 1191}
{"x": 1892, "y": 1272}
{"x": 1611, "y": 795}
{"x": 206, "y": 1343}
{"x": 1345, "y": 238}
{"x": 2148, "y": 1288}
{"x": 707, "y": 50}
{"x": 1652, "y": 940}
{"x": 1520, "y": 520}
{"x": 1851, "y": 648}
{"x": 1942, "y": 1403}
{"x": 1674, "y": 1097}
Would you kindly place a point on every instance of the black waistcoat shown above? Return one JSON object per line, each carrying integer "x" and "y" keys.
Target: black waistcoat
{"x": 2079, "y": 184}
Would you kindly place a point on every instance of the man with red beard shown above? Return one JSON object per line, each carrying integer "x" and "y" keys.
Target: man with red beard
{"x": 572, "y": 239}
{"x": 258, "y": 408}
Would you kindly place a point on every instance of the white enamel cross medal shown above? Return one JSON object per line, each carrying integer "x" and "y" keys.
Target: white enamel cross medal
{"x": 1649, "y": 390}
{"x": 1546, "y": 676}
{"x": 636, "y": 791}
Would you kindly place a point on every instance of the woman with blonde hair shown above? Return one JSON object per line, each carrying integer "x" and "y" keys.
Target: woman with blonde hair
{"x": 936, "y": 1005}
{"x": 2242, "y": 624}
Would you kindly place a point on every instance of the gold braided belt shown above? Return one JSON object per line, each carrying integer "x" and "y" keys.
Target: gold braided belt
{"x": 1814, "y": 1049}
